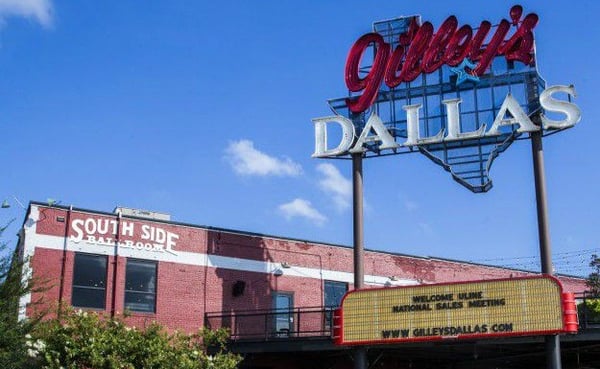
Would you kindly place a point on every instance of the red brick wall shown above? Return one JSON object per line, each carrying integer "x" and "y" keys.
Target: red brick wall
{"x": 185, "y": 291}
{"x": 46, "y": 267}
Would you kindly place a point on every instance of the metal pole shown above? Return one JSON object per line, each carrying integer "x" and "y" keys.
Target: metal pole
{"x": 541, "y": 201}
{"x": 360, "y": 353}
{"x": 358, "y": 224}
{"x": 553, "y": 360}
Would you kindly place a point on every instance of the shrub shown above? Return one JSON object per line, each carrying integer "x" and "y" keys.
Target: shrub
{"x": 88, "y": 340}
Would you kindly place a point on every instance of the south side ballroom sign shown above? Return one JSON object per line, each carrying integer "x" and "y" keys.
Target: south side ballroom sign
{"x": 469, "y": 56}
{"x": 468, "y": 310}
{"x": 124, "y": 234}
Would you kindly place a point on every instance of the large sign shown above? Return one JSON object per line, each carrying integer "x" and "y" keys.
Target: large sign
{"x": 510, "y": 113}
{"x": 421, "y": 50}
{"x": 468, "y": 310}
{"x": 458, "y": 95}
{"x": 123, "y": 234}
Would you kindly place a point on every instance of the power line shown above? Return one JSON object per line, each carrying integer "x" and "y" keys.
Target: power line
{"x": 570, "y": 262}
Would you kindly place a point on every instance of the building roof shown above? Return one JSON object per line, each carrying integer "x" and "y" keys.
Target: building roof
{"x": 263, "y": 235}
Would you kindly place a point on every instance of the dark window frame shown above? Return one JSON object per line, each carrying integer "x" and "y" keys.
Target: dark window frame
{"x": 328, "y": 313}
{"x": 282, "y": 314}
{"x": 75, "y": 287}
{"x": 338, "y": 283}
{"x": 138, "y": 292}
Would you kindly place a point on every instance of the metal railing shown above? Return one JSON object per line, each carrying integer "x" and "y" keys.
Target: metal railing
{"x": 274, "y": 324}
{"x": 316, "y": 322}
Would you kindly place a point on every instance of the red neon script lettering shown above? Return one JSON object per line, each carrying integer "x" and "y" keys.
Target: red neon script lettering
{"x": 421, "y": 50}
{"x": 370, "y": 84}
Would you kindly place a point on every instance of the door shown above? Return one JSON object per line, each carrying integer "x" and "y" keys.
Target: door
{"x": 283, "y": 303}
{"x": 333, "y": 294}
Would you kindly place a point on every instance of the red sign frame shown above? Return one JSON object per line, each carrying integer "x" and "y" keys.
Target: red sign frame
{"x": 568, "y": 311}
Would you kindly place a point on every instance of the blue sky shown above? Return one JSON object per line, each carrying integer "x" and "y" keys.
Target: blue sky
{"x": 203, "y": 110}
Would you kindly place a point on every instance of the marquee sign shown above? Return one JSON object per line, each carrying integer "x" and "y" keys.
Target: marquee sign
{"x": 468, "y": 310}
{"x": 459, "y": 95}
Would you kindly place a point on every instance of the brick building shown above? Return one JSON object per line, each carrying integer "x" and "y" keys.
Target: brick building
{"x": 176, "y": 273}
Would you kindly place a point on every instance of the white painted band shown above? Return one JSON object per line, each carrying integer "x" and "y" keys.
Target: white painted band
{"x": 211, "y": 261}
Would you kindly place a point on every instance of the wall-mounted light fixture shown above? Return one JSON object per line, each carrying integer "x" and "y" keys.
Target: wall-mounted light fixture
{"x": 278, "y": 272}
{"x": 238, "y": 288}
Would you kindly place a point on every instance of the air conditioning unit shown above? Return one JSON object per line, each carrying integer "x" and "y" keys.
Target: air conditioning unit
{"x": 139, "y": 213}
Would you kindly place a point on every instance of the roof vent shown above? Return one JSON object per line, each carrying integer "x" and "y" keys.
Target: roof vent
{"x": 139, "y": 213}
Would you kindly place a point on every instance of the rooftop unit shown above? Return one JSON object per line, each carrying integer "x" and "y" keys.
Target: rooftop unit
{"x": 140, "y": 213}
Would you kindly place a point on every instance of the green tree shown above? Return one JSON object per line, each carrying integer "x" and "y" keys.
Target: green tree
{"x": 83, "y": 339}
{"x": 593, "y": 280}
{"x": 13, "y": 348}
{"x": 589, "y": 309}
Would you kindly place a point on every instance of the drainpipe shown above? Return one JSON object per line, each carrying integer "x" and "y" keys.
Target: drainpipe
{"x": 115, "y": 266}
{"x": 64, "y": 262}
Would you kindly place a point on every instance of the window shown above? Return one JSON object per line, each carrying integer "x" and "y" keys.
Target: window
{"x": 334, "y": 292}
{"x": 140, "y": 285}
{"x": 89, "y": 281}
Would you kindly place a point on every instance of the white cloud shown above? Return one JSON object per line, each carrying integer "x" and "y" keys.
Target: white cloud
{"x": 410, "y": 206}
{"x": 426, "y": 229}
{"x": 303, "y": 209}
{"x": 246, "y": 160}
{"x": 335, "y": 185}
{"x": 40, "y": 10}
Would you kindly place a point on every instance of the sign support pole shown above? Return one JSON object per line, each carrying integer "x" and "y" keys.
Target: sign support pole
{"x": 553, "y": 360}
{"x": 360, "y": 353}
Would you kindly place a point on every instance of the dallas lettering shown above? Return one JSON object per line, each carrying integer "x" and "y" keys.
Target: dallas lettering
{"x": 509, "y": 114}
{"x": 420, "y": 50}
